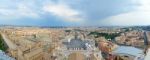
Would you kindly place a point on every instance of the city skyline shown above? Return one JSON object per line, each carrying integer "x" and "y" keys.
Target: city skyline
{"x": 75, "y": 12}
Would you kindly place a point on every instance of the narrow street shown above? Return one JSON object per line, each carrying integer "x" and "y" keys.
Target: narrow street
{"x": 145, "y": 39}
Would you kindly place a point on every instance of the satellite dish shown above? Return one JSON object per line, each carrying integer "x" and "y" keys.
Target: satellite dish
{"x": 69, "y": 39}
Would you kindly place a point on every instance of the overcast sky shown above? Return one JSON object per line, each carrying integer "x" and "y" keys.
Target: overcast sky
{"x": 75, "y": 12}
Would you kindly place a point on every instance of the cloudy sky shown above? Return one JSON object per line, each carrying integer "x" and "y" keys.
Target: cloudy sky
{"x": 75, "y": 12}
